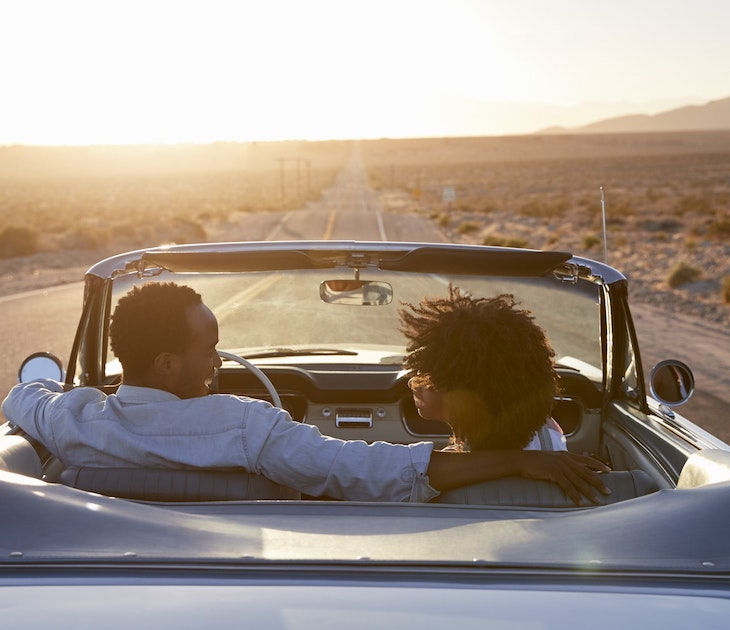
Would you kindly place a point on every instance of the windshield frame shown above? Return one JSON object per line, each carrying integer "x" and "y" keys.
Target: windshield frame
{"x": 325, "y": 260}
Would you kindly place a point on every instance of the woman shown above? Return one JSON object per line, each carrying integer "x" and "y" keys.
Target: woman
{"x": 486, "y": 368}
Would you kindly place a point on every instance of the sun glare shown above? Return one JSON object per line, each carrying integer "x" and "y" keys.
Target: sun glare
{"x": 83, "y": 71}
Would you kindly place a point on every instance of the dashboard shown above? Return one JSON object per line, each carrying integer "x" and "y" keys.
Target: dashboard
{"x": 374, "y": 403}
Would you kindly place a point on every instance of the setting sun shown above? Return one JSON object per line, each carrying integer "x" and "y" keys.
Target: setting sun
{"x": 84, "y": 72}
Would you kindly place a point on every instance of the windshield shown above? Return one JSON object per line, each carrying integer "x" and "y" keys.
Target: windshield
{"x": 280, "y": 313}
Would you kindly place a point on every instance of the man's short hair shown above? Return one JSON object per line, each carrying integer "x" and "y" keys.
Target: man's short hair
{"x": 150, "y": 319}
{"x": 492, "y": 361}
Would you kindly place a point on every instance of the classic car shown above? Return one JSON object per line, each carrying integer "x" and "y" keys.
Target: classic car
{"x": 312, "y": 326}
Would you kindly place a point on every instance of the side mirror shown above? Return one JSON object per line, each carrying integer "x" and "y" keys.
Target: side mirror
{"x": 41, "y": 365}
{"x": 356, "y": 292}
{"x": 671, "y": 382}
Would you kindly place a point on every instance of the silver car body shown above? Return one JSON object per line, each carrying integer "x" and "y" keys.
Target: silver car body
{"x": 520, "y": 556}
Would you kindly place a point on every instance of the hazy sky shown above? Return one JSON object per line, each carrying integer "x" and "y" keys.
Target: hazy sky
{"x": 109, "y": 71}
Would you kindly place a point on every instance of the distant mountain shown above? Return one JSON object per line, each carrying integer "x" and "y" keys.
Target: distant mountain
{"x": 711, "y": 116}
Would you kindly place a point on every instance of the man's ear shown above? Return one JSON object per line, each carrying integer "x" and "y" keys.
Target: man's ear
{"x": 165, "y": 363}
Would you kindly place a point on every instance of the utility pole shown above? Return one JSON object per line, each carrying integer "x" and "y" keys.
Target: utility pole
{"x": 282, "y": 177}
{"x": 281, "y": 180}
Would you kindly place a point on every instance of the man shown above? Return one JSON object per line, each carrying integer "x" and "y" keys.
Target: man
{"x": 165, "y": 338}
{"x": 485, "y": 367}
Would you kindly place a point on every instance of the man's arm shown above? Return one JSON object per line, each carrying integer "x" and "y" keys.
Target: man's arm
{"x": 575, "y": 474}
{"x": 26, "y": 406}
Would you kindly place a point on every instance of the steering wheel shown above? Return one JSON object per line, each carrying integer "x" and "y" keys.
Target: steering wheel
{"x": 258, "y": 373}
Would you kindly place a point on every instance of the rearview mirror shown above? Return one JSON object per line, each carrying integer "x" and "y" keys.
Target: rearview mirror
{"x": 356, "y": 292}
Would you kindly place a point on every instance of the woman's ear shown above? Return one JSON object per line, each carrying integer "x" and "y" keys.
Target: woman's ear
{"x": 467, "y": 413}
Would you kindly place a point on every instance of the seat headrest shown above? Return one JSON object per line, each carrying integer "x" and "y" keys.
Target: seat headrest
{"x": 521, "y": 492}
{"x": 161, "y": 484}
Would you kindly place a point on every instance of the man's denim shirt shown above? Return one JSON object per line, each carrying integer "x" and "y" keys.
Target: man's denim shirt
{"x": 139, "y": 426}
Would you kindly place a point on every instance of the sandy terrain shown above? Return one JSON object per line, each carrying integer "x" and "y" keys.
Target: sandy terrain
{"x": 668, "y": 200}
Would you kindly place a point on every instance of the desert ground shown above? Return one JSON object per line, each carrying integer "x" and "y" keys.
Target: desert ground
{"x": 666, "y": 199}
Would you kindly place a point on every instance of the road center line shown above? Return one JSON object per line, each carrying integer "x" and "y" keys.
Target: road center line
{"x": 330, "y": 226}
{"x": 230, "y": 306}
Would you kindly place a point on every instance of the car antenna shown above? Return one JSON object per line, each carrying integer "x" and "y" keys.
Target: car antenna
{"x": 605, "y": 233}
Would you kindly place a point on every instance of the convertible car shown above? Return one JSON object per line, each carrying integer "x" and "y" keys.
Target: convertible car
{"x": 313, "y": 327}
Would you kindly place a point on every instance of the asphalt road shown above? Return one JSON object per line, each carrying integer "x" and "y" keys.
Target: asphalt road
{"x": 45, "y": 320}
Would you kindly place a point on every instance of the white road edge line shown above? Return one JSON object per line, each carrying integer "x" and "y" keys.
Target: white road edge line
{"x": 36, "y": 292}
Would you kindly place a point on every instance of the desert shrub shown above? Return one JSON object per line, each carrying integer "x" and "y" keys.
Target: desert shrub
{"x": 665, "y": 224}
{"x": 443, "y": 219}
{"x": 719, "y": 228}
{"x": 539, "y": 208}
{"x": 611, "y": 221}
{"x": 726, "y": 289}
{"x": 86, "y": 238}
{"x": 618, "y": 207}
{"x": 585, "y": 201}
{"x": 653, "y": 195}
{"x": 590, "y": 241}
{"x": 18, "y": 241}
{"x": 695, "y": 230}
{"x": 504, "y": 241}
{"x": 682, "y": 273}
{"x": 693, "y": 203}
{"x": 690, "y": 243}
{"x": 533, "y": 207}
{"x": 467, "y": 227}
{"x": 143, "y": 235}
{"x": 188, "y": 231}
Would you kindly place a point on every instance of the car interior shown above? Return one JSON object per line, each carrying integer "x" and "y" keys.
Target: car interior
{"x": 356, "y": 388}
{"x": 381, "y": 408}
